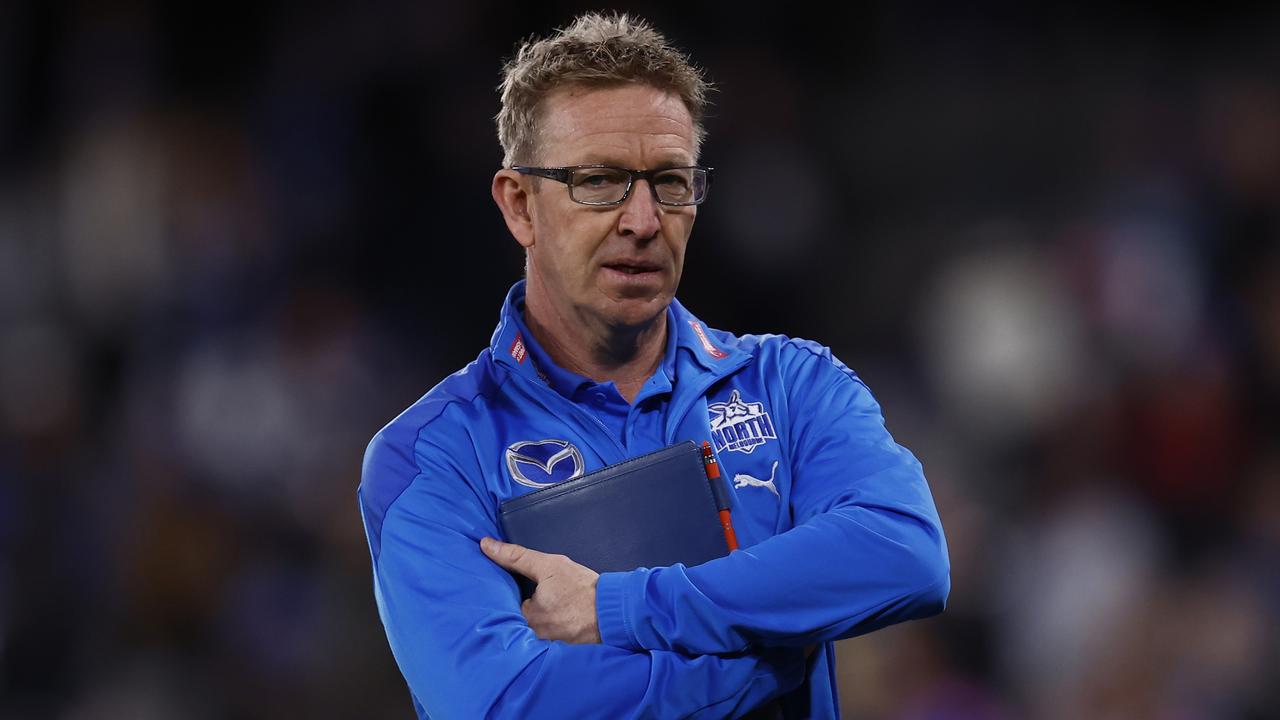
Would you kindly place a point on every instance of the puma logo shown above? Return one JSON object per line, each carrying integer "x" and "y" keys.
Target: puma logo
{"x": 741, "y": 480}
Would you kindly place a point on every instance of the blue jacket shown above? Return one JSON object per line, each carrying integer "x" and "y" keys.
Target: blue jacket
{"x": 839, "y": 531}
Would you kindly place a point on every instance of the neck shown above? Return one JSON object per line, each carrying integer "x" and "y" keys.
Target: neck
{"x": 626, "y": 355}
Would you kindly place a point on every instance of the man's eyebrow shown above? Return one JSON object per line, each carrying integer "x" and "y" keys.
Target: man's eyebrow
{"x": 600, "y": 160}
{"x": 614, "y": 162}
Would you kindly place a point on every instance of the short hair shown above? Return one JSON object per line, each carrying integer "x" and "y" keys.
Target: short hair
{"x": 595, "y": 50}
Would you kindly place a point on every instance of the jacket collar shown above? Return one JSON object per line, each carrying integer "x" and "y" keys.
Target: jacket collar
{"x": 699, "y": 350}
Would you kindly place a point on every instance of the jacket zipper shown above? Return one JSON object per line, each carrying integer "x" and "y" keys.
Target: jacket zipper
{"x": 622, "y": 452}
{"x": 689, "y": 401}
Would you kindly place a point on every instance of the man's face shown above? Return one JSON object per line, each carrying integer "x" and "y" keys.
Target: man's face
{"x": 615, "y": 266}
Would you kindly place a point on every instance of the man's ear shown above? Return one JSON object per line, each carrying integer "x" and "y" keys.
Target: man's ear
{"x": 512, "y": 199}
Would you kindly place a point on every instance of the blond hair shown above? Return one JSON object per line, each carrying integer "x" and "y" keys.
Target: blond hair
{"x": 595, "y": 50}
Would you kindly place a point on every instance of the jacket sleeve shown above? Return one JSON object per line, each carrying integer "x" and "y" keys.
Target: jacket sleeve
{"x": 455, "y": 628}
{"x": 866, "y": 549}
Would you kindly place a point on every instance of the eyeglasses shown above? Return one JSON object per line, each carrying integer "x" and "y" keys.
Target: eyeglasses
{"x": 605, "y": 185}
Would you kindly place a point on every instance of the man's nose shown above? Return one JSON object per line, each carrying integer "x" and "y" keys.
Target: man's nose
{"x": 641, "y": 213}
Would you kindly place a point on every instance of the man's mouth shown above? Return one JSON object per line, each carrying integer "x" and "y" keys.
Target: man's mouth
{"x": 633, "y": 268}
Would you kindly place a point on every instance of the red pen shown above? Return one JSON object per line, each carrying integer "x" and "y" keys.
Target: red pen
{"x": 721, "y": 494}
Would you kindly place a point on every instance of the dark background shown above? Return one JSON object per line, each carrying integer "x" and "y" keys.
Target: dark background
{"x": 236, "y": 239}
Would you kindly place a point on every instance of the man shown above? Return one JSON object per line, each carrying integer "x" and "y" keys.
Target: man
{"x": 594, "y": 361}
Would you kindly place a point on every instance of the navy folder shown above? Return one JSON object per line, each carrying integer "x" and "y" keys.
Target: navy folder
{"x": 653, "y": 510}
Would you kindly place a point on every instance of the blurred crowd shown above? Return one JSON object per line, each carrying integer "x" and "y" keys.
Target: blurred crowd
{"x": 236, "y": 239}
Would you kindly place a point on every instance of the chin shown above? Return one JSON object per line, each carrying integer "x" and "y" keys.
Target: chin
{"x": 635, "y": 312}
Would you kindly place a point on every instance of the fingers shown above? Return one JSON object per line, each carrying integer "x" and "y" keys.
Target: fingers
{"x": 516, "y": 558}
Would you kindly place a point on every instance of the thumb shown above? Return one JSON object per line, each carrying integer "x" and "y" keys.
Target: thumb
{"x": 514, "y": 557}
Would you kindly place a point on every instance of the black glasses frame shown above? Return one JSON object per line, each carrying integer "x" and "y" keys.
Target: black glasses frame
{"x": 565, "y": 175}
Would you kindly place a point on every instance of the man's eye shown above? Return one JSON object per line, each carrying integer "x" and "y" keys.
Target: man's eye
{"x": 597, "y": 179}
{"x": 676, "y": 180}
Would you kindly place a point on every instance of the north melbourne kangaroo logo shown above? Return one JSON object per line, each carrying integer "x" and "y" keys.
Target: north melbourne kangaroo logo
{"x": 740, "y": 426}
{"x": 742, "y": 480}
{"x": 543, "y": 463}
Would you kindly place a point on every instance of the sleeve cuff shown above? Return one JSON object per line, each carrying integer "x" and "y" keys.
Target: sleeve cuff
{"x": 613, "y": 607}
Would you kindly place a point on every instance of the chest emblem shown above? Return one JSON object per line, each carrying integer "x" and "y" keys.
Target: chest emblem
{"x": 543, "y": 463}
{"x": 741, "y": 480}
{"x": 739, "y": 426}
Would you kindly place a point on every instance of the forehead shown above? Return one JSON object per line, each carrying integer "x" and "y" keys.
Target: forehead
{"x": 623, "y": 124}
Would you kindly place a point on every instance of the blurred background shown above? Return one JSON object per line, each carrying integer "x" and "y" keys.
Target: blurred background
{"x": 237, "y": 238}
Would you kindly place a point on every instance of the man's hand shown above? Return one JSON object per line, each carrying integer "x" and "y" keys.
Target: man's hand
{"x": 563, "y": 606}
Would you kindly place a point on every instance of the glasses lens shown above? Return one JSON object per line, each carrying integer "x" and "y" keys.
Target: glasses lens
{"x": 681, "y": 186}
{"x": 599, "y": 185}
